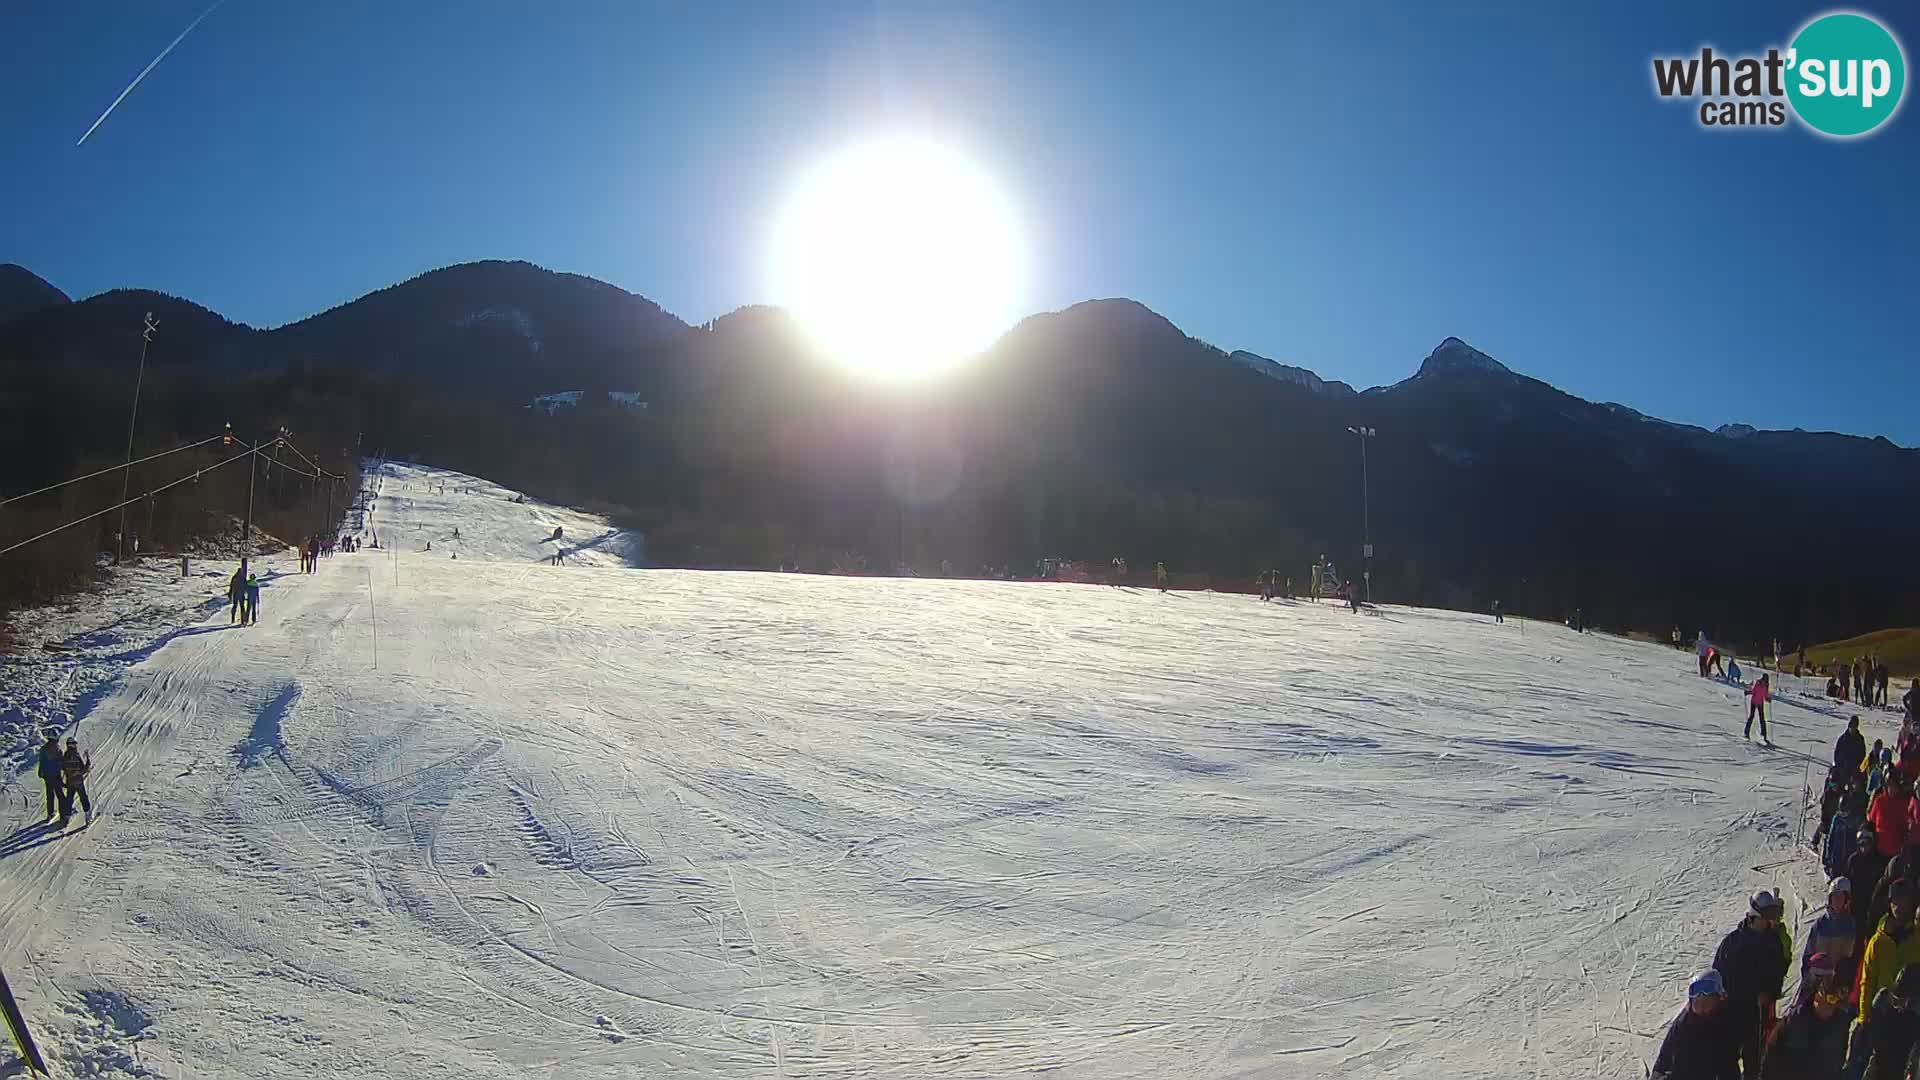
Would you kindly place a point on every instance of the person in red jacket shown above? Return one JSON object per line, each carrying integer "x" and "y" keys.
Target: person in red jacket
{"x": 1757, "y": 706}
{"x": 1888, "y": 815}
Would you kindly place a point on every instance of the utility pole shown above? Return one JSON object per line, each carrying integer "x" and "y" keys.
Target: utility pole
{"x": 133, "y": 417}
{"x": 246, "y": 525}
{"x": 1366, "y": 512}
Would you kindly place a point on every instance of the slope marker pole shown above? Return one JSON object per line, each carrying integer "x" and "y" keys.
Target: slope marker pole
{"x": 373, "y": 620}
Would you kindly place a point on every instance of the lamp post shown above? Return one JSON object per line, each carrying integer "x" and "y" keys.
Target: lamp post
{"x": 1366, "y": 511}
{"x": 133, "y": 417}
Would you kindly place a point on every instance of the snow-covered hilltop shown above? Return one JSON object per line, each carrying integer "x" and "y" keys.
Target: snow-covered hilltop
{"x": 492, "y": 817}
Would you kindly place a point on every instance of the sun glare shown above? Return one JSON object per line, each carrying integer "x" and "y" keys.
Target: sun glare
{"x": 899, "y": 257}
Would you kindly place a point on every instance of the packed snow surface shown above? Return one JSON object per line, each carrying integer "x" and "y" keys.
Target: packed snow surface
{"x": 499, "y": 818}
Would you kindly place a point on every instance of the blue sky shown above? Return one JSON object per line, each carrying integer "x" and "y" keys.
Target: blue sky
{"x": 1338, "y": 186}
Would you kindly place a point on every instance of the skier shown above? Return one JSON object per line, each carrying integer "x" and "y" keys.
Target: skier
{"x": 50, "y": 775}
{"x": 1884, "y": 1038}
{"x": 237, "y": 591}
{"x": 1882, "y": 676}
{"x": 1160, "y": 575}
{"x": 253, "y": 601}
{"x": 74, "y": 767}
{"x": 1842, "y": 832}
{"x": 1891, "y": 946}
{"x": 1888, "y": 815}
{"x": 1834, "y": 934}
{"x": 1865, "y": 866}
{"x": 1704, "y": 1040}
{"x": 1850, "y": 749}
{"x": 1700, "y": 651}
{"x": 1753, "y": 968}
{"x": 1831, "y": 793}
{"x": 1497, "y": 616}
{"x": 1811, "y": 1042}
{"x": 1757, "y": 706}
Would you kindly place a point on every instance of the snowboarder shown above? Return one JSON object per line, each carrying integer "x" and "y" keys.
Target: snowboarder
{"x": 74, "y": 767}
{"x": 1884, "y": 1038}
{"x": 1811, "y": 1042}
{"x": 1704, "y": 1040}
{"x": 1753, "y": 968}
{"x": 237, "y": 591}
{"x": 1757, "y": 706}
{"x": 50, "y": 775}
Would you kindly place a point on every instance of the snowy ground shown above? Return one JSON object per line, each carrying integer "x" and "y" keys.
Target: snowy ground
{"x": 497, "y": 818}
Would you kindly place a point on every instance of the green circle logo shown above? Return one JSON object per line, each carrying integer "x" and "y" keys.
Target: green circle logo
{"x": 1845, "y": 74}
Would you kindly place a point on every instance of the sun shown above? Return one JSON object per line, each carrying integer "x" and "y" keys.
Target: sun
{"x": 899, "y": 257}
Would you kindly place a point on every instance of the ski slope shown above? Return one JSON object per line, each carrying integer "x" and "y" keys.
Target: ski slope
{"x": 497, "y": 818}
{"x": 475, "y": 519}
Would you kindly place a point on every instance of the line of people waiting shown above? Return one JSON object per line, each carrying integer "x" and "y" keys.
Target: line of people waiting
{"x": 1856, "y": 1012}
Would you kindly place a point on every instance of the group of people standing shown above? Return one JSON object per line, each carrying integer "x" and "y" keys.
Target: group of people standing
{"x": 1864, "y": 682}
{"x": 1856, "y": 1013}
{"x": 243, "y": 595}
{"x": 64, "y": 774}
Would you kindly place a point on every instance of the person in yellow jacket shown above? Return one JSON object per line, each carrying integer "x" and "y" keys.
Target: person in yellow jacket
{"x": 1893, "y": 946}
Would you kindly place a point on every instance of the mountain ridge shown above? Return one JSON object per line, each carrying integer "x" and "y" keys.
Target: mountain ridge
{"x": 508, "y": 333}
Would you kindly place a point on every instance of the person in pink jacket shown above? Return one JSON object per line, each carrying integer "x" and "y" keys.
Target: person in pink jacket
{"x": 1757, "y": 706}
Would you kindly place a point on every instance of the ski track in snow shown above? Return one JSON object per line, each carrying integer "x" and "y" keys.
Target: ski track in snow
{"x": 589, "y": 821}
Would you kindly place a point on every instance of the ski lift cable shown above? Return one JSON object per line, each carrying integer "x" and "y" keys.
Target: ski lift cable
{"x": 108, "y": 469}
{"x": 194, "y": 475}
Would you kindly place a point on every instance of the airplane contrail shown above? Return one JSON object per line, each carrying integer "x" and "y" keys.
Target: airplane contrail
{"x": 144, "y": 71}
